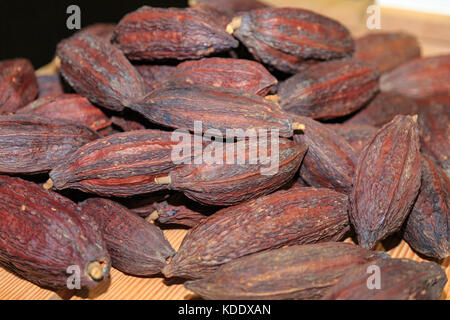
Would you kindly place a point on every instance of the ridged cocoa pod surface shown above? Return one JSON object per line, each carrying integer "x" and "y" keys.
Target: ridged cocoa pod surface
{"x": 102, "y": 30}
{"x": 18, "y": 84}
{"x": 386, "y": 51}
{"x": 221, "y": 15}
{"x": 121, "y": 165}
{"x": 434, "y": 127}
{"x": 296, "y": 216}
{"x": 42, "y": 234}
{"x": 127, "y": 125}
{"x": 239, "y": 74}
{"x": 71, "y": 107}
{"x": 152, "y": 75}
{"x": 31, "y": 144}
{"x": 427, "y": 229}
{"x": 49, "y": 85}
{"x": 217, "y": 182}
{"x": 218, "y": 109}
{"x": 230, "y": 5}
{"x": 419, "y": 78}
{"x": 136, "y": 247}
{"x": 158, "y": 33}
{"x": 329, "y": 89}
{"x": 387, "y": 181}
{"x": 295, "y": 273}
{"x": 330, "y": 161}
{"x": 383, "y": 108}
{"x": 358, "y": 136}
{"x": 99, "y": 71}
{"x": 297, "y": 32}
{"x": 400, "y": 279}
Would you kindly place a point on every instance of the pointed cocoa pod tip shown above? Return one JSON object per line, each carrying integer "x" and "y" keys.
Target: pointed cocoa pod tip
{"x": 234, "y": 24}
{"x": 48, "y": 185}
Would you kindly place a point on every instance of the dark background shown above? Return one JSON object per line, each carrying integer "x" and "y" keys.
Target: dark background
{"x": 32, "y": 29}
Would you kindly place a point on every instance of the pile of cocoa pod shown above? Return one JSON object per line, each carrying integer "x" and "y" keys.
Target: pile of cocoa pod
{"x": 88, "y": 177}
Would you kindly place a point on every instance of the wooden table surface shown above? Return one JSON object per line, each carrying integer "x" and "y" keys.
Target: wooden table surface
{"x": 432, "y": 32}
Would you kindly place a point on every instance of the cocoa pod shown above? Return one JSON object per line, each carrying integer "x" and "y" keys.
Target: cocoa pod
{"x": 101, "y": 30}
{"x": 72, "y": 107}
{"x": 330, "y": 161}
{"x": 127, "y": 125}
{"x": 296, "y": 272}
{"x": 218, "y": 109}
{"x": 152, "y": 75}
{"x": 296, "y": 216}
{"x": 400, "y": 279}
{"x": 43, "y": 233}
{"x": 386, "y": 51}
{"x": 329, "y": 89}
{"x": 419, "y": 78}
{"x": 358, "y": 136}
{"x": 427, "y": 229}
{"x": 99, "y": 71}
{"x": 247, "y": 174}
{"x": 18, "y": 84}
{"x": 239, "y": 74}
{"x": 435, "y": 133}
{"x": 383, "y": 108}
{"x": 158, "y": 33}
{"x": 121, "y": 165}
{"x": 144, "y": 206}
{"x": 49, "y": 85}
{"x": 387, "y": 181}
{"x": 40, "y": 143}
{"x": 297, "y": 32}
{"x": 220, "y": 15}
{"x": 136, "y": 247}
{"x": 230, "y": 5}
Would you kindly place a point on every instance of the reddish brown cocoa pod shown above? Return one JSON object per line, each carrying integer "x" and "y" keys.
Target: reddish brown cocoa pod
{"x": 400, "y": 279}
{"x": 427, "y": 229}
{"x": 153, "y": 74}
{"x": 50, "y": 85}
{"x": 230, "y": 5}
{"x": 72, "y": 107}
{"x": 157, "y": 33}
{"x": 136, "y": 247}
{"x": 387, "y": 181}
{"x": 18, "y": 84}
{"x": 44, "y": 233}
{"x": 127, "y": 125}
{"x": 329, "y": 89}
{"x": 102, "y": 30}
{"x": 284, "y": 218}
{"x": 419, "y": 78}
{"x": 225, "y": 180}
{"x": 386, "y": 51}
{"x": 295, "y": 273}
{"x": 218, "y": 109}
{"x": 358, "y": 136}
{"x": 31, "y": 144}
{"x": 123, "y": 164}
{"x": 330, "y": 161}
{"x": 239, "y": 74}
{"x": 220, "y": 15}
{"x": 297, "y": 32}
{"x": 99, "y": 71}
{"x": 435, "y": 132}
{"x": 383, "y": 108}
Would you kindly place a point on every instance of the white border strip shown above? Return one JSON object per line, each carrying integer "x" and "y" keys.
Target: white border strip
{"x": 430, "y": 6}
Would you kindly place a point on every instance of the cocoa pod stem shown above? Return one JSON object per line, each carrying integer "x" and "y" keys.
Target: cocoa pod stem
{"x": 48, "y": 185}
{"x": 95, "y": 271}
{"x": 163, "y": 180}
{"x": 233, "y": 25}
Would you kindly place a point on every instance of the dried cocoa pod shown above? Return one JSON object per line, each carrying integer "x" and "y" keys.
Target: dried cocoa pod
{"x": 18, "y": 84}
{"x": 49, "y": 85}
{"x": 386, "y": 51}
{"x": 329, "y": 89}
{"x": 31, "y": 144}
{"x": 43, "y": 233}
{"x": 296, "y": 272}
{"x": 99, "y": 71}
{"x": 358, "y": 136}
{"x": 153, "y": 74}
{"x": 218, "y": 109}
{"x": 239, "y": 74}
{"x": 297, "y": 32}
{"x": 427, "y": 228}
{"x": 127, "y": 125}
{"x": 121, "y": 165}
{"x": 419, "y": 78}
{"x": 102, "y": 30}
{"x": 143, "y": 206}
{"x": 72, "y": 107}
{"x": 387, "y": 181}
{"x": 296, "y": 216}
{"x": 330, "y": 161}
{"x": 230, "y": 5}
{"x": 220, "y": 15}
{"x": 225, "y": 180}
{"x": 435, "y": 133}
{"x": 136, "y": 247}
{"x": 157, "y": 33}
{"x": 400, "y": 279}
{"x": 383, "y": 108}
